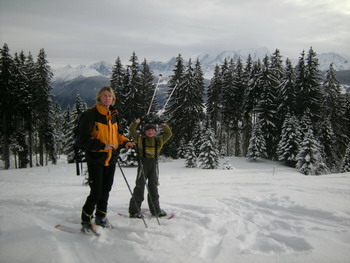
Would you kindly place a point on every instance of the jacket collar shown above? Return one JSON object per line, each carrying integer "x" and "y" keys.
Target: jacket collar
{"x": 102, "y": 109}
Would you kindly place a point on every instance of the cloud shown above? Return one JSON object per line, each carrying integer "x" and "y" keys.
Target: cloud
{"x": 85, "y": 31}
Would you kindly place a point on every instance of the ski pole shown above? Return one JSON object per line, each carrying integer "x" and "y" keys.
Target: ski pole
{"x": 154, "y": 94}
{"x": 132, "y": 196}
{"x": 166, "y": 103}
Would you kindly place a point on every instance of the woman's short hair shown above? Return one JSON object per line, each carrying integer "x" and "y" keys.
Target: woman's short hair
{"x": 103, "y": 89}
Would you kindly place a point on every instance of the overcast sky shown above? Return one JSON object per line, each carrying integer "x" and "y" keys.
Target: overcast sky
{"x": 86, "y": 31}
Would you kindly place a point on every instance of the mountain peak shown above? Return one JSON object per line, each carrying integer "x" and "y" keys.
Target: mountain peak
{"x": 208, "y": 62}
{"x": 103, "y": 67}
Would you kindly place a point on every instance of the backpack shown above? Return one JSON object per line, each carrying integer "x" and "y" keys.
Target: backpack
{"x": 79, "y": 153}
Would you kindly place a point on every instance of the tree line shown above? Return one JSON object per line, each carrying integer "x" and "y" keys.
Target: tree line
{"x": 255, "y": 109}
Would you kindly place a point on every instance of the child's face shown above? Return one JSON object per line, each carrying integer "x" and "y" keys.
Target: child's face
{"x": 150, "y": 133}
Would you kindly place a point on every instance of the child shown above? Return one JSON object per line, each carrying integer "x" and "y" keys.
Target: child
{"x": 149, "y": 147}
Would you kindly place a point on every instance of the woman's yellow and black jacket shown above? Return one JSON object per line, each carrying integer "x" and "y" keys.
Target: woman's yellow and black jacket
{"x": 98, "y": 127}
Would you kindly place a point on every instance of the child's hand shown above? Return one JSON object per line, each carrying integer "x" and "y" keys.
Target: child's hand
{"x": 129, "y": 144}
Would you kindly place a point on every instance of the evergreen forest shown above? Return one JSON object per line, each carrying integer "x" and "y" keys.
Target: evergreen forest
{"x": 266, "y": 108}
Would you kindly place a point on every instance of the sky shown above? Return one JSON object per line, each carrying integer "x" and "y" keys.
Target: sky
{"x": 87, "y": 31}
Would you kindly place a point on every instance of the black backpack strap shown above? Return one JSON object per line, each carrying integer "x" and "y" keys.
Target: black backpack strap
{"x": 144, "y": 147}
{"x": 156, "y": 147}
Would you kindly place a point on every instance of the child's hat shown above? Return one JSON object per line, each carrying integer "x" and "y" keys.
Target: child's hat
{"x": 150, "y": 126}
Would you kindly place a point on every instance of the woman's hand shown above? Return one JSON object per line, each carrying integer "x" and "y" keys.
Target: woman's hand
{"x": 109, "y": 146}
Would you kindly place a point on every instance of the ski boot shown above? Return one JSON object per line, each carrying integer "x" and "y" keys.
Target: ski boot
{"x": 88, "y": 228}
{"x": 136, "y": 215}
{"x": 161, "y": 213}
{"x": 102, "y": 221}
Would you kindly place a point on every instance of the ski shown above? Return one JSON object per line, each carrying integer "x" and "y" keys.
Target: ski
{"x": 74, "y": 230}
{"x": 169, "y": 216}
{"x": 76, "y": 221}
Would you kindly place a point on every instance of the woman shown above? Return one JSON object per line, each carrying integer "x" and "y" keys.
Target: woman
{"x": 98, "y": 135}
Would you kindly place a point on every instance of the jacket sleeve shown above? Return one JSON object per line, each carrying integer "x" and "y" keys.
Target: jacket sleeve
{"x": 167, "y": 133}
{"x": 122, "y": 139}
{"x": 133, "y": 132}
{"x": 85, "y": 126}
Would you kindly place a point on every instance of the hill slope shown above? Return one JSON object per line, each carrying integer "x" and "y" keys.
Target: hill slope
{"x": 258, "y": 212}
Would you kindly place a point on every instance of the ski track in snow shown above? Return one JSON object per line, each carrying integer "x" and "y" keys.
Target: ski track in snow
{"x": 267, "y": 213}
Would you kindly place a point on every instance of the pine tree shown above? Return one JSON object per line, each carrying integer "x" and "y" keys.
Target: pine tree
{"x": 117, "y": 84}
{"x": 300, "y": 83}
{"x": 191, "y": 157}
{"x": 19, "y": 146}
{"x": 43, "y": 89}
{"x": 247, "y": 121}
{"x": 147, "y": 88}
{"x": 128, "y": 157}
{"x": 226, "y": 165}
{"x": 257, "y": 144}
{"x": 345, "y": 116}
{"x": 225, "y": 67}
{"x": 306, "y": 124}
{"x": 198, "y": 137}
{"x": 199, "y": 84}
{"x": 66, "y": 129}
{"x": 173, "y": 93}
{"x": 233, "y": 92}
{"x": 277, "y": 71}
{"x": 186, "y": 105}
{"x": 31, "y": 113}
{"x": 267, "y": 108}
{"x": 240, "y": 84}
{"x": 345, "y": 167}
{"x": 228, "y": 105}
{"x": 6, "y": 105}
{"x": 309, "y": 159}
{"x": 333, "y": 108}
{"x": 252, "y": 94}
{"x": 209, "y": 154}
{"x": 50, "y": 142}
{"x": 79, "y": 107}
{"x": 328, "y": 141}
{"x": 181, "y": 152}
{"x": 290, "y": 142}
{"x": 287, "y": 93}
{"x": 134, "y": 104}
{"x": 308, "y": 88}
{"x": 58, "y": 127}
{"x": 214, "y": 99}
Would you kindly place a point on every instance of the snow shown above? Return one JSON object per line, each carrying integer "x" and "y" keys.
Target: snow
{"x": 256, "y": 212}
{"x": 68, "y": 73}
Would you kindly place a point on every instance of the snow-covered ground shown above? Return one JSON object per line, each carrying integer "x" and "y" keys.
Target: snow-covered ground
{"x": 256, "y": 212}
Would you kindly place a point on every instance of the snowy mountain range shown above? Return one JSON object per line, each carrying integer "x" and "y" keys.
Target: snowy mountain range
{"x": 84, "y": 80}
{"x": 69, "y": 73}
{"x": 208, "y": 63}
